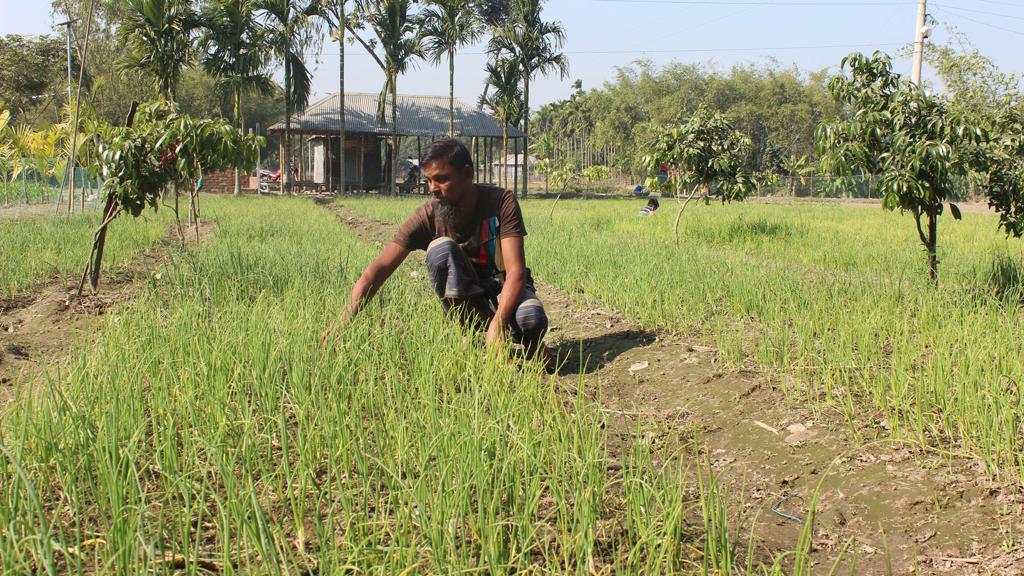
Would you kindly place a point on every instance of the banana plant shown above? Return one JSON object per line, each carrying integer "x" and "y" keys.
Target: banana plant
{"x": 6, "y": 154}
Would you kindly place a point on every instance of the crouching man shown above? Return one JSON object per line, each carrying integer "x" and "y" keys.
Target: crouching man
{"x": 473, "y": 236}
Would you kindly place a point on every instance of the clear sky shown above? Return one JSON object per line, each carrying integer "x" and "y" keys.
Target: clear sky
{"x": 603, "y": 34}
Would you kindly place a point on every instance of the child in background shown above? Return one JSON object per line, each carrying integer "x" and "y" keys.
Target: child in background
{"x": 650, "y": 208}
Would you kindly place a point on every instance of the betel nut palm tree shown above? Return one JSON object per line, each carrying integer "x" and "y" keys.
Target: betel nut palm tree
{"x": 234, "y": 54}
{"x": 398, "y": 35}
{"x": 290, "y": 28}
{"x": 157, "y": 35}
{"x": 447, "y": 26}
{"x": 536, "y": 47}
{"x": 504, "y": 99}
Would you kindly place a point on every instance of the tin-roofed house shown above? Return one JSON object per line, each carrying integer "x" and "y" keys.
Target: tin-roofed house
{"x": 423, "y": 118}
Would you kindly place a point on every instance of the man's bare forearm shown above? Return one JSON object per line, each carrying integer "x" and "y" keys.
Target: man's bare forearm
{"x": 374, "y": 277}
{"x": 511, "y": 293}
{"x": 364, "y": 290}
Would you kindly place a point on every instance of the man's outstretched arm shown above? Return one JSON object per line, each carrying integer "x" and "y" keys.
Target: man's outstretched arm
{"x": 390, "y": 258}
{"x": 513, "y": 255}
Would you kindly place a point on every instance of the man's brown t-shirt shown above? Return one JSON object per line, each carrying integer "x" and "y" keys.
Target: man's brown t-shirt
{"x": 497, "y": 216}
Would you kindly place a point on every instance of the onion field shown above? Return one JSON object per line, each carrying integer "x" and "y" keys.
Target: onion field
{"x": 836, "y": 297}
{"x": 218, "y": 422}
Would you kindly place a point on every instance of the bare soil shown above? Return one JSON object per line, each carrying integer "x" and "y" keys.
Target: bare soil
{"x": 895, "y": 504}
{"x": 39, "y": 332}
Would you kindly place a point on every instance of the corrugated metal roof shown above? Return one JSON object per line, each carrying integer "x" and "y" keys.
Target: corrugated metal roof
{"x": 417, "y": 116}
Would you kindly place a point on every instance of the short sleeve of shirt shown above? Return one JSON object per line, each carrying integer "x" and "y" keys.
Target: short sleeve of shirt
{"x": 510, "y": 217}
{"x": 415, "y": 233}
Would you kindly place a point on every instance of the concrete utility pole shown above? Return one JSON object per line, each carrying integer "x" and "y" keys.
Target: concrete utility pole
{"x": 67, "y": 27}
{"x": 920, "y": 34}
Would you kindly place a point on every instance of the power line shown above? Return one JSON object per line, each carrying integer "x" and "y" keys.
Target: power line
{"x": 979, "y": 11}
{"x": 998, "y": 3}
{"x": 983, "y": 23}
{"x": 734, "y": 49}
{"x": 687, "y": 50}
{"x": 765, "y": 3}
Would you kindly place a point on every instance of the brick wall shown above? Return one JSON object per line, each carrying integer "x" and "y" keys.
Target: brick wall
{"x": 224, "y": 183}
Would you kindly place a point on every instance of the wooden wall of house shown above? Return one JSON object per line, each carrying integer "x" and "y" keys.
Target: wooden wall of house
{"x": 364, "y": 149}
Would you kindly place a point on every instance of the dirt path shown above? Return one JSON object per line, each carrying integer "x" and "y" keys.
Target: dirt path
{"x": 898, "y": 504}
{"x": 40, "y": 331}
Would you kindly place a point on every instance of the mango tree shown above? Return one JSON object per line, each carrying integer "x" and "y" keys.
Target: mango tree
{"x": 704, "y": 154}
{"x": 1005, "y": 169}
{"x": 159, "y": 148}
{"x": 920, "y": 149}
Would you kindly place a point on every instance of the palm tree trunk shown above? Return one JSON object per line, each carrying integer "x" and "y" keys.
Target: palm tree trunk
{"x": 451, "y": 93}
{"x": 394, "y": 134}
{"x": 286, "y": 177}
{"x": 238, "y": 125}
{"x": 504, "y": 154}
{"x": 526, "y": 131}
{"x": 341, "y": 96}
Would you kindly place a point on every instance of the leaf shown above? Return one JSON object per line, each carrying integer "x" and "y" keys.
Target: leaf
{"x": 955, "y": 210}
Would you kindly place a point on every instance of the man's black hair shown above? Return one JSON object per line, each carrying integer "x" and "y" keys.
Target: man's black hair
{"x": 653, "y": 202}
{"x": 451, "y": 151}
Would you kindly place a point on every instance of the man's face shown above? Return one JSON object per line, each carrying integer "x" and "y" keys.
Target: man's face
{"x": 447, "y": 183}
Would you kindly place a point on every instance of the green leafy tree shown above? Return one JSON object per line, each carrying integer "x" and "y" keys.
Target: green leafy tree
{"x": 493, "y": 13}
{"x": 919, "y": 147}
{"x": 109, "y": 89}
{"x": 18, "y": 142}
{"x": 159, "y": 148}
{"x": 290, "y": 27}
{"x": 766, "y": 180}
{"x": 157, "y": 35}
{"x": 6, "y": 154}
{"x": 536, "y": 46}
{"x": 504, "y": 100}
{"x": 778, "y": 108}
{"x": 234, "y": 54}
{"x": 199, "y": 97}
{"x": 401, "y": 43}
{"x": 704, "y": 154}
{"x": 447, "y": 26}
{"x": 546, "y": 167}
{"x": 562, "y": 174}
{"x": 969, "y": 80}
{"x": 32, "y": 73}
{"x": 1005, "y": 168}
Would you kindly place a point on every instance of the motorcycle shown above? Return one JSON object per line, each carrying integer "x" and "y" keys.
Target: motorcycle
{"x": 268, "y": 177}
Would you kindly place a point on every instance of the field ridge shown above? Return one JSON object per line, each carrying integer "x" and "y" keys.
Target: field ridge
{"x": 41, "y": 331}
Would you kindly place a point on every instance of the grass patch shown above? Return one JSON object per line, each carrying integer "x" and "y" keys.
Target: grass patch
{"x": 37, "y": 249}
{"x": 836, "y": 296}
{"x": 208, "y": 426}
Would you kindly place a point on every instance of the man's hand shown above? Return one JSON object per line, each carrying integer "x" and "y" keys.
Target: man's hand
{"x": 515, "y": 281}
{"x": 495, "y": 333}
{"x": 334, "y": 328}
{"x": 390, "y": 258}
